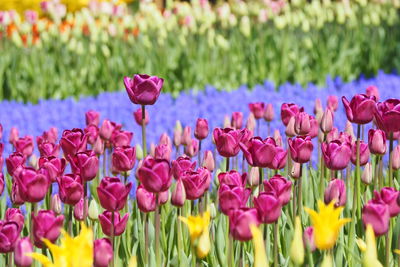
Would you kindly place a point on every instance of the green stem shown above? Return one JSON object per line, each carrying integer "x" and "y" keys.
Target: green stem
{"x": 113, "y": 238}
{"x": 146, "y": 238}
{"x": 70, "y": 220}
{"x": 144, "y": 145}
{"x": 227, "y": 164}
{"x": 299, "y": 192}
{"x": 388, "y": 245}
{"x": 390, "y": 159}
{"x": 261, "y": 177}
{"x": 358, "y": 178}
{"x": 178, "y": 229}
{"x": 199, "y": 154}
{"x": 157, "y": 233}
{"x": 276, "y": 260}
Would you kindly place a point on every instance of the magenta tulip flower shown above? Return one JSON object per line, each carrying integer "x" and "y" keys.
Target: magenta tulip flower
{"x": 308, "y": 238}
{"x": 336, "y": 154}
{"x": 314, "y": 127}
{"x": 332, "y": 103}
{"x": 232, "y": 178}
{"x": 201, "y": 130}
{"x": 123, "y": 159}
{"x": 377, "y": 141}
{"x": 389, "y": 196}
{"x": 259, "y": 153}
{"x": 24, "y": 145}
{"x": 92, "y": 117}
{"x": 103, "y": 252}
{"x": 92, "y": 133}
{"x": 257, "y": 109}
{"x": 227, "y": 141}
{"x": 70, "y": 189}
{"x": 54, "y": 166}
{"x": 143, "y": 89}
{"x": 46, "y": 225}
{"x": 14, "y": 135}
{"x": 113, "y": 194}
{"x": 181, "y": 165}
{"x": 269, "y": 113}
{"x": 301, "y": 148}
{"x": 9, "y": 233}
{"x": 232, "y": 197}
{"x": 119, "y": 223}
{"x": 73, "y": 141}
{"x": 121, "y": 138}
{"x": 22, "y": 247}
{"x": 336, "y": 192}
{"x": 364, "y": 153}
{"x": 288, "y": 110}
{"x": 376, "y": 214}
{"x": 360, "y": 109}
{"x": 80, "y": 211}
{"x": 326, "y": 124}
{"x": 387, "y": 115}
{"x": 196, "y": 182}
{"x": 107, "y": 128}
{"x": 279, "y": 161}
{"x": 268, "y": 206}
{"x": 208, "y": 160}
{"x": 146, "y": 200}
{"x": 192, "y": 148}
{"x": 15, "y": 215}
{"x": 372, "y": 91}
{"x": 32, "y": 184}
{"x": 86, "y": 164}
{"x": 179, "y": 194}
{"x": 137, "y": 115}
{"x": 16, "y": 197}
{"x": 47, "y": 149}
{"x": 280, "y": 186}
{"x": 237, "y": 120}
{"x": 155, "y": 175}
{"x": 302, "y": 123}
{"x": 240, "y": 221}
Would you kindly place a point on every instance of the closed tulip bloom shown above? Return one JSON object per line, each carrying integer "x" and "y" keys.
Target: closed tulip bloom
{"x": 396, "y": 158}
{"x": 112, "y": 193}
{"x": 251, "y": 122}
{"x": 302, "y": 123}
{"x": 179, "y": 194}
{"x": 121, "y": 138}
{"x": 165, "y": 140}
{"x": 245, "y": 136}
{"x": 9, "y": 232}
{"x": 232, "y": 197}
{"x": 232, "y": 178}
{"x": 50, "y": 136}
{"x": 178, "y": 134}
{"x": 139, "y": 117}
{"x": 387, "y": 115}
{"x": 377, "y": 141}
{"x": 289, "y": 110}
{"x": 187, "y": 135}
{"x": 336, "y": 192}
{"x": 308, "y": 238}
{"x": 98, "y": 146}
{"x": 107, "y": 128}
{"x": 326, "y": 124}
{"x": 103, "y": 252}
{"x": 70, "y": 189}
{"x": 390, "y": 195}
{"x": 295, "y": 172}
{"x": 318, "y": 109}
{"x": 336, "y": 154}
{"x": 278, "y": 138}
{"x": 81, "y": 212}
{"x": 155, "y": 175}
{"x": 257, "y": 109}
{"x": 54, "y": 166}
{"x": 208, "y": 160}
{"x": 163, "y": 197}
{"x": 15, "y": 215}
{"x": 366, "y": 176}
{"x": 254, "y": 177}
{"x": 192, "y": 148}
{"x": 314, "y": 128}
{"x": 332, "y": 102}
{"x": 123, "y": 159}
{"x": 22, "y": 247}
{"x": 377, "y": 215}
{"x": 143, "y": 89}
{"x": 146, "y": 200}
{"x": 92, "y": 133}
{"x": 201, "y": 130}
{"x": 24, "y": 145}
{"x": 280, "y": 186}
{"x": 269, "y": 113}
{"x": 372, "y": 91}
{"x": 290, "y": 130}
{"x": 240, "y": 221}
{"x": 86, "y": 164}
{"x": 349, "y": 130}
{"x": 2, "y": 183}
{"x": 73, "y": 141}
{"x": 119, "y": 223}
{"x": 237, "y": 120}
{"x": 332, "y": 135}
{"x": 268, "y": 206}
{"x": 32, "y": 184}
{"x": 55, "y": 204}
{"x": 360, "y": 109}
{"x": 93, "y": 211}
{"x": 16, "y": 197}
{"x": 92, "y": 117}
{"x": 259, "y": 153}
{"x": 196, "y": 182}
{"x": 46, "y": 225}
{"x": 14, "y": 135}
{"x": 344, "y": 137}
{"x": 227, "y": 141}
{"x": 279, "y": 161}
{"x": 364, "y": 153}
{"x": 301, "y": 149}
{"x": 182, "y": 164}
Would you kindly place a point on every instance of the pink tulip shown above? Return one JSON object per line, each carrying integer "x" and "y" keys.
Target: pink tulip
{"x": 237, "y": 120}
{"x": 155, "y": 175}
{"x": 387, "y": 115}
{"x": 98, "y": 146}
{"x": 32, "y": 184}
{"x": 112, "y": 193}
{"x": 259, "y": 153}
{"x": 92, "y": 133}
{"x": 290, "y": 127}
{"x": 240, "y": 221}
{"x": 9, "y": 232}
{"x": 232, "y": 197}
{"x": 269, "y": 113}
{"x": 73, "y": 141}
{"x": 103, "y": 252}
{"x": 14, "y": 135}
{"x": 22, "y": 247}
{"x": 332, "y": 103}
{"x": 119, "y": 223}
{"x": 232, "y": 178}
{"x": 107, "y": 128}
{"x": 92, "y": 117}
{"x": 364, "y": 153}
{"x": 257, "y": 109}
{"x": 389, "y": 196}
{"x": 288, "y": 111}
{"x": 196, "y": 182}
{"x": 46, "y": 225}
{"x": 81, "y": 212}
{"x": 396, "y": 157}
{"x": 336, "y": 154}
{"x": 86, "y": 164}
{"x": 146, "y": 200}
{"x": 47, "y": 149}
{"x": 208, "y": 160}
{"x": 55, "y": 204}
{"x": 314, "y": 127}
{"x": 227, "y": 141}
{"x": 279, "y": 160}
{"x": 16, "y": 197}
{"x": 301, "y": 148}
{"x": 308, "y": 238}
{"x": 123, "y": 159}
{"x": 15, "y": 215}
{"x": 50, "y": 136}
{"x": 250, "y": 123}
{"x": 187, "y": 135}
{"x": 165, "y": 140}
{"x": 163, "y": 197}
{"x": 302, "y": 123}
{"x": 139, "y": 117}
{"x": 54, "y": 166}
{"x": 143, "y": 89}
{"x": 24, "y": 145}
{"x": 121, "y": 138}
{"x": 377, "y": 141}
{"x": 360, "y": 109}
{"x": 376, "y": 214}
{"x": 181, "y": 165}
{"x": 201, "y": 130}
{"x": 179, "y": 194}
{"x": 268, "y": 206}
{"x": 280, "y": 186}
{"x": 372, "y": 91}
{"x": 192, "y": 148}
{"x": 326, "y": 124}
{"x": 70, "y": 189}
{"x": 336, "y": 191}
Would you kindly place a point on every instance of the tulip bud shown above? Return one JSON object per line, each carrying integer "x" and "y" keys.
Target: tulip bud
{"x": 213, "y": 211}
{"x": 254, "y": 177}
{"x": 139, "y": 117}
{"x": 146, "y": 200}
{"x": 103, "y": 252}
{"x": 179, "y": 194}
{"x": 80, "y": 212}
{"x": 364, "y": 153}
{"x": 327, "y": 121}
{"x": 278, "y": 138}
{"x": 295, "y": 172}
{"x": 201, "y": 130}
{"x": 178, "y": 133}
{"x": 308, "y": 238}
{"x": 187, "y": 137}
{"x": 98, "y": 146}
{"x": 335, "y": 191}
{"x": 269, "y": 113}
{"x": 192, "y": 148}
{"x": 349, "y": 130}
{"x": 377, "y": 141}
{"x": 152, "y": 151}
{"x": 372, "y": 91}
{"x": 332, "y": 103}
{"x": 92, "y": 117}
{"x": 297, "y": 246}
{"x": 55, "y": 204}
{"x": 318, "y": 107}
{"x": 119, "y": 223}
{"x": 163, "y": 197}
{"x": 257, "y": 109}
{"x": 251, "y": 122}
{"x": 93, "y": 210}
{"x": 237, "y": 120}
{"x": 14, "y": 135}
{"x": 23, "y": 247}
{"x": 377, "y": 215}
{"x": 227, "y": 122}
{"x": 139, "y": 152}
{"x": 208, "y": 160}
{"x": 396, "y": 158}
{"x": 302, "y": 123}
{"x": 366, "y": 177}
{"x": 290, "y": 131}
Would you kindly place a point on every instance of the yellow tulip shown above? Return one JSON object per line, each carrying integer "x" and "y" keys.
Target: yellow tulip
{"x": 199, "y": 233}
{"x": 260, "y": 257}
{"x": 297, "y": 246}
{"x": 72, "y": 252}
{"x": 326, "y": 224}
{"x": 370, "y": 257}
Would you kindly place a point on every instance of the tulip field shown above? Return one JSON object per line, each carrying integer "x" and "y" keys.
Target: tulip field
{"x": 201, "y": 134}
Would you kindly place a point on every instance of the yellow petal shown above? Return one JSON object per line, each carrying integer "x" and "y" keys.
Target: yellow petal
{"x": 361, "y": 244}
{"x": 297, "y": 246}
{"x": 260, "y": 257}
{"x": 41, "y": 258}
{"x": 327, "y": 261}
{"x": 204, "y": 245}
{"x": 370, "y": 257}
{"x": 132, "y": 262}
{"x": 397, "y": 251}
